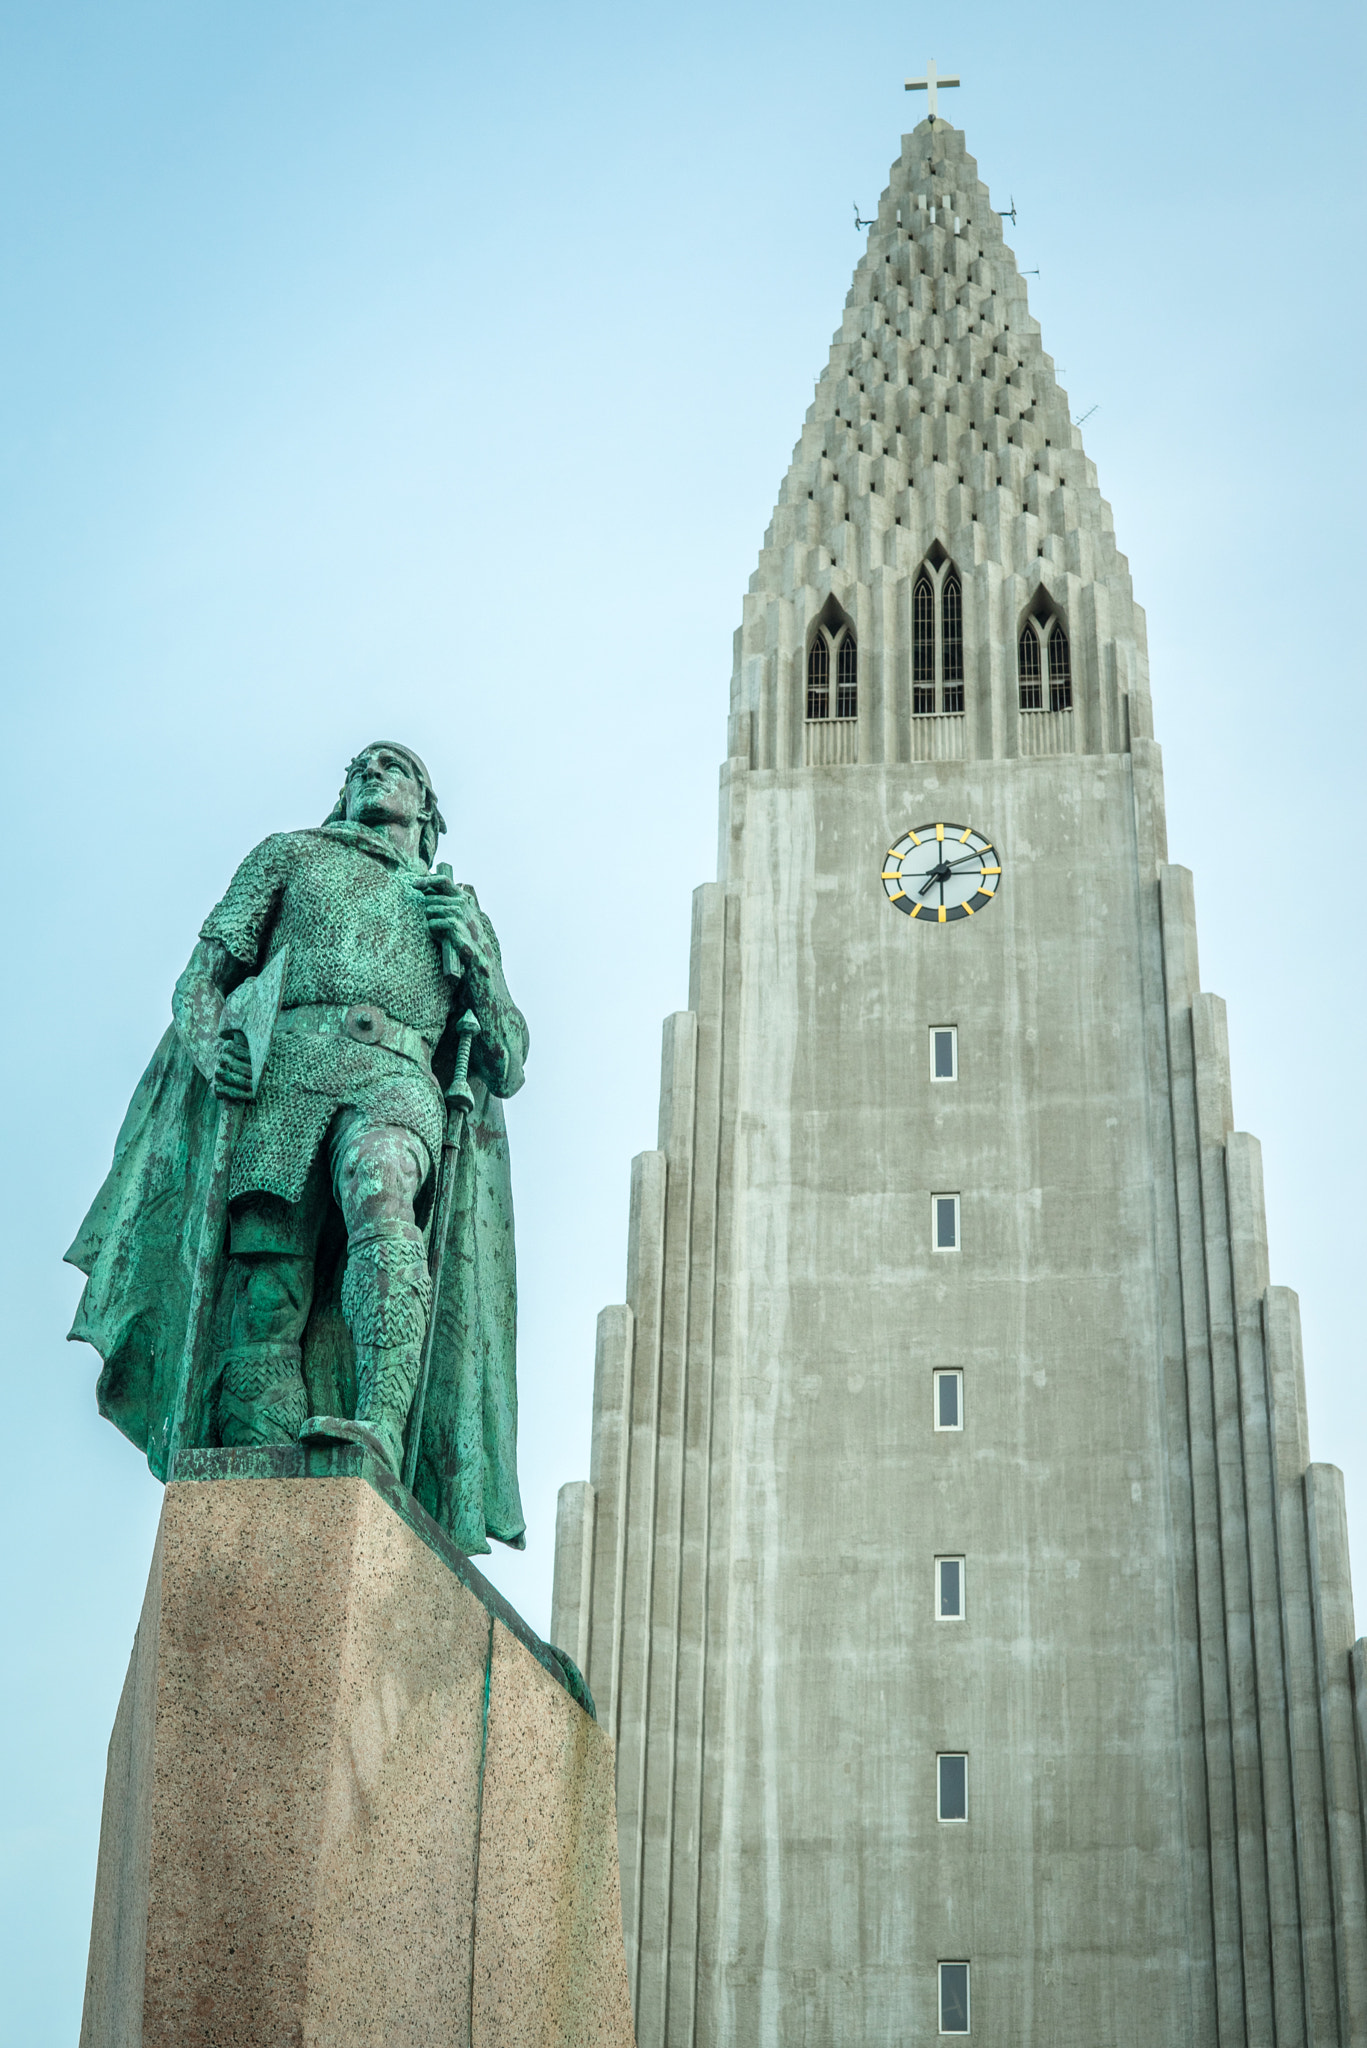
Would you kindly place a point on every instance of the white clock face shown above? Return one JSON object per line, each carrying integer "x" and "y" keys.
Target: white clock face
{"x": 941, "y": 873}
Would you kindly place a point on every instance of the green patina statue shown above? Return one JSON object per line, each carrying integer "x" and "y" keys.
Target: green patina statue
{"x": 321, "y": 1134}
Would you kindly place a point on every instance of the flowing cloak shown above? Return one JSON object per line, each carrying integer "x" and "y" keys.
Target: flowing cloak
{"x": 138, "y": 1247}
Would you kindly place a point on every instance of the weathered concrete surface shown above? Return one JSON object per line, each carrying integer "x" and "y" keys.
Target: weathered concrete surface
{"x": 1150, "y": 1680}
{"x": 307, "y": 1836}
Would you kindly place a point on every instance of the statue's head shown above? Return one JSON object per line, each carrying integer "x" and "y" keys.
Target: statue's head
{"x": 388, "y": 784}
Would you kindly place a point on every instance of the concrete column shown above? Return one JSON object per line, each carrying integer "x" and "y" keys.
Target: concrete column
{"x": 645, "y": 1286}
{"x": 720, "y": 1643}
{"x": 1290, "y": 1455}
{"x": 572, "y": 1584}
{"x": 608, "y": 1467}
{"x": 1248, "y": 1262}
{"x": 1358, "y": 1667}
{"x": 1182, "y": 977}
{"x": 677, "y": 1099}
{"x": 1215, "y": 1119}
{"x": 715, "y": 922}
{"x": 1332, "y": 1591}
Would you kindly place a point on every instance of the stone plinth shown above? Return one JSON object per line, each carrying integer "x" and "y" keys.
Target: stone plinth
{"x": 345, "y": 1804}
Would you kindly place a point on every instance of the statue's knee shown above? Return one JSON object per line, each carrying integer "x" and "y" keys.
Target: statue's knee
{"x": 379, "y": 1171}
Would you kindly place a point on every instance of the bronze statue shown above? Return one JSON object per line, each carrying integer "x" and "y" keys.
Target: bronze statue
{"x": 319, "y": 1303}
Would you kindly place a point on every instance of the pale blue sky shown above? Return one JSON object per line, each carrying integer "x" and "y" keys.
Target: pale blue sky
{"x": 429, "y": 371}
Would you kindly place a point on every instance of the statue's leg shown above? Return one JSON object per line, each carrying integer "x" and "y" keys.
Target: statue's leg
{"x": 378, "y": 1171}
{"x": 261, "y": 1397}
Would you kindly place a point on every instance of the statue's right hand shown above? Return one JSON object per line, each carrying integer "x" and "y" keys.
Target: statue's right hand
{"x": 233, "y": 1074}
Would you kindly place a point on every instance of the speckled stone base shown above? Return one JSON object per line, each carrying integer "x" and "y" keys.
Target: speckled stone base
{"x": 345, "y": 1804}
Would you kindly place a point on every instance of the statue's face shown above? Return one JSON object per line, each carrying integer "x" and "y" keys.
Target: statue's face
{"x": 381, "y": 789}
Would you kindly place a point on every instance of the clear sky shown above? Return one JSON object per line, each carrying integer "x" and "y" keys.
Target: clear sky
{"x": 428, "y": 371}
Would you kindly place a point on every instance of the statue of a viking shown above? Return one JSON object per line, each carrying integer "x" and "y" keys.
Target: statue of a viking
{"x": 318, "y": 1304}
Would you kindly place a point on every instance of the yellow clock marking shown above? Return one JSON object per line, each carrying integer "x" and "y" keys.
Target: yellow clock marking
{"x": 964, "y": 834}
{"x": 991, "y": 871}
{"x": 942, "y": 913}
{"x": 898, "y": 897}
{"x": 914, "y": 840}
{"x": 968, "y": 908}
{"x": 892, "y": 875}
{"x": 939, "y": 832}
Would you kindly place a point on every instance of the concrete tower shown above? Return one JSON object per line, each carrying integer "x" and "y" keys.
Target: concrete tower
{"x": 809, "y": 1572}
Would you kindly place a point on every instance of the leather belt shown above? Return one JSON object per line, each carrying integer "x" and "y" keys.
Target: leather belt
{"x": 367, "y": 1023}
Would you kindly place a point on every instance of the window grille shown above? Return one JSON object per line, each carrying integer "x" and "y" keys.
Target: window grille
{"x": 1060, "y": 670}
{"x": 952, "y": 643}
{"x": 819, "y": 678}
{"x": 846, "y": 678}
{"x": 1032, "y": 696}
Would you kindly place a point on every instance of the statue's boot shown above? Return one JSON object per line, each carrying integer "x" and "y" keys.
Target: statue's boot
{"x": 385, "y": 1296}
{"x": 262, "y": 1399}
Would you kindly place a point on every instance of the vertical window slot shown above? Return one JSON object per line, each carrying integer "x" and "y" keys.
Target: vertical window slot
{"x": 951, "y": 1788}
{"x": 949, "y": 1400}
{"x": 953, "y": 1998}
{"x": 949, "y": 1589}
{"x": 944, "y": 1052}
{"x": 944, "y": 1212}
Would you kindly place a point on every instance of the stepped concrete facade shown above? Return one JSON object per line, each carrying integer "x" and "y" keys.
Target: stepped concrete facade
{"x": 1151, "y": 1670}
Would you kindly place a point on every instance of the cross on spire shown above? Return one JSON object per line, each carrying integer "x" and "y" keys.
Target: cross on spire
{"x": 927, "y": 85}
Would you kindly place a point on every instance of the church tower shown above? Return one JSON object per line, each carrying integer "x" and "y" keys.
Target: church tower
{"x": 974, "y": 1630}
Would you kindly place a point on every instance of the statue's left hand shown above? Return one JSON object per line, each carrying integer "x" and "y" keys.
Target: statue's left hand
{"x": 233, "y": 1074}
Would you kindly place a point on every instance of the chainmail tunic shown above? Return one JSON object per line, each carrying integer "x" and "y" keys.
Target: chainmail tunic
{"x": 341, "y": 898}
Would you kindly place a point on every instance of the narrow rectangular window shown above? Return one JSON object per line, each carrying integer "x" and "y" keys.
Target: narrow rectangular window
{"x": 944, "y": 1052}
{"x": 951, "y": 1787}
{"x": 945, "y": 1222}
{"x": 949, "y": 1400}
{"x": 954, "y": 1998}
{"x": 949, "y": 1589}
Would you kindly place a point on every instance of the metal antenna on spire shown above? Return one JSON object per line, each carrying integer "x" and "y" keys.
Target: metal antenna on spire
{"x": 928, "y": 86}
{"x": 860, "y": 225}
{"x": 1007, "y": 213}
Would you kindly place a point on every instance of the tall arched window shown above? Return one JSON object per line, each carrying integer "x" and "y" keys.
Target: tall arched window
{"x": 1060, "y": 670}
{"x": 819, "y": 678}
{"x": 937, "y": 637}
{"x": 1032, "y": 694}
{"x": 1043, "y": 651}
{"x": 846, "y": 678}
{"x": 923, "y": 645}
{"x": 833, "y": 639}
{"x": 952, "y": 642}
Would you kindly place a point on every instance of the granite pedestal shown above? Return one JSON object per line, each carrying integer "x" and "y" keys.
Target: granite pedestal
{"x": 349, "y": 1799}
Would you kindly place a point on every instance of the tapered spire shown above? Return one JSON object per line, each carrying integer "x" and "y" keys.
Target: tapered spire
{"x": 938, "y": 424}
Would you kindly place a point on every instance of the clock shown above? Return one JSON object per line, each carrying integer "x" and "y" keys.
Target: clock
{"x": 940, "y": 873}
